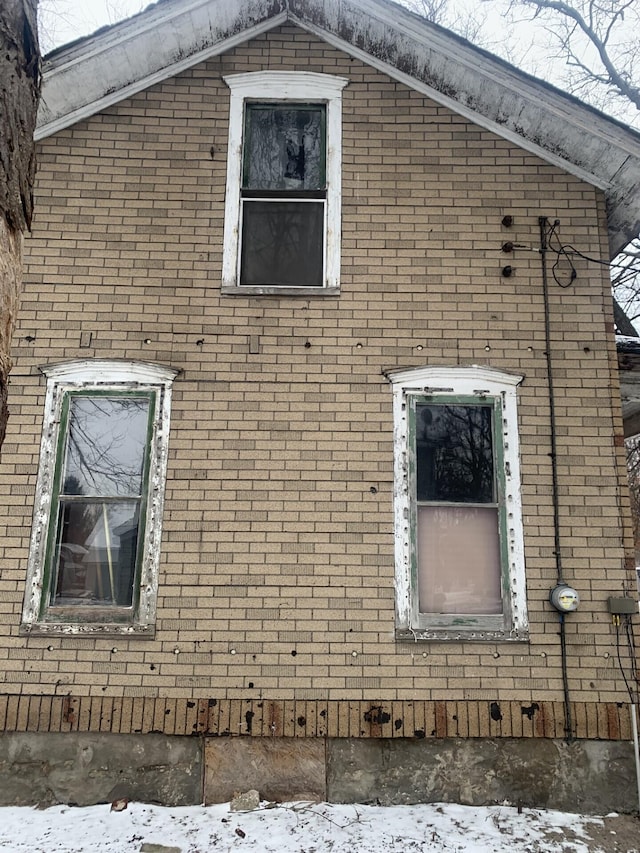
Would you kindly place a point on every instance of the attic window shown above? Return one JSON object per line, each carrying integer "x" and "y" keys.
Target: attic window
{"x": 283, "y": 195}
{"x": 282, "y": 214}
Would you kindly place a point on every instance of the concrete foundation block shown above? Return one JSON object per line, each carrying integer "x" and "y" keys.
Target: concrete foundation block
{"x": 587, "y": 776}
{"x": 87, "y": 769}
{"x": 280, "y": 769}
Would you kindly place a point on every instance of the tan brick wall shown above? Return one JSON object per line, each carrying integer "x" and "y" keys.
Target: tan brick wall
{"x": 277, "y": 569}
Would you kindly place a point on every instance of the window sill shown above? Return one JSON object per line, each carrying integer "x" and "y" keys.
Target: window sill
{"x": 251, "y": 290}
{"x": 460, "y": 635}
{"x": 84, "y": 629}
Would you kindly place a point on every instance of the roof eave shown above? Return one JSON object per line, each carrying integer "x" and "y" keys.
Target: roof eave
{"x": 175, "y": 35}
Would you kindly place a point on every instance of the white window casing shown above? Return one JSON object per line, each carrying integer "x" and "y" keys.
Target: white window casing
{"x": 483, "y": 385}
{"x": 280, "y": 87}
{"x": 101, "y": 376}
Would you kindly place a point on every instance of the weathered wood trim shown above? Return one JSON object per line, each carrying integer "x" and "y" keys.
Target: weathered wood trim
{"x": 312, "y": 718}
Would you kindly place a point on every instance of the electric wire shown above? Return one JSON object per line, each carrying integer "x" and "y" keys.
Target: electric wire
{"x": 544, "y": 224}
{"x": 548, "y": 233}
{"x": 568, "y": 722}
{"x": 616, "y": 622}
{"x": 567, "y": 249}
{"x": 552, "y": 411}
{"x": 631, "y": 643}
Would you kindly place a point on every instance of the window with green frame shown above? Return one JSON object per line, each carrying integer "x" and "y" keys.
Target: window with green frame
{"x": 459, "y": 543}
{"x": 99, "y": 498}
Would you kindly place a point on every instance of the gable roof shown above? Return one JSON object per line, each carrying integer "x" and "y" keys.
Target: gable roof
{"x": 171, "y": 36}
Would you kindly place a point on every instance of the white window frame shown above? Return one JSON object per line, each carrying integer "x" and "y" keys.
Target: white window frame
{"x": 279, "y": 87}
{"x": 101, "y": 376}
{"x": 484, "y": 384}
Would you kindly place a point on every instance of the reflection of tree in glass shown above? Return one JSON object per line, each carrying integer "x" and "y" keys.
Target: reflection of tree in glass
{"x": 84, "y": 515}
{"x": 633, "y": 467}
{"x": 454, "y": 454}
{"x": 284, "y": 145}
{"x": 106, "y": 445}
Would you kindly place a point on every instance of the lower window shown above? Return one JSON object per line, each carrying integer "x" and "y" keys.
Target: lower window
{"x": 97, "y": 522}
{"x": 459, "y": 544}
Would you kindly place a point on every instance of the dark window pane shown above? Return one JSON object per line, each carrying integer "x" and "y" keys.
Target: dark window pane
{"x": 284, "y": 148}
{"x": 106, "y": 445}
{"x": 454, "y": 454}
{"x": 282, "y": 243}
{"x": 95, "y": 553}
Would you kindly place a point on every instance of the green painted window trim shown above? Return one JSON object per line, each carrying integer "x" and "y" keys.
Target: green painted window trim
{"x": 92, "y": 378}
{"x": 447, "y": 384}
{"x": 481, "y": 622}
{"x": 94, "y": 613}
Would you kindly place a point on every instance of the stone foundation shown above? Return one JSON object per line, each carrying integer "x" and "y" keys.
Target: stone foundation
{"x": 83, "y": 769}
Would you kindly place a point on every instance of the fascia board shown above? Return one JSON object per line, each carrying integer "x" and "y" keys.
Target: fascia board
{"x": 460, "y": 109}
{"x": 100, "y": 71}
{"x": 527, "y": 112}
{"x": 478, "y": 86}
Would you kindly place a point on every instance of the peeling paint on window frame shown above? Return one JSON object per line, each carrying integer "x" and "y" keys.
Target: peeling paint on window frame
{"x": 281, "y": 87}
{"x": 100, "y": 376}
{"x": 449, "y": 384}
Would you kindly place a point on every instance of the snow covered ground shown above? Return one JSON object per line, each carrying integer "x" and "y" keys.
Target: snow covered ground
{"x": 312, "y": 828}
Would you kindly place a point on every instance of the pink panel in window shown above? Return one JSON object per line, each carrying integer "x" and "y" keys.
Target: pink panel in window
{"x": 459, "y": 560}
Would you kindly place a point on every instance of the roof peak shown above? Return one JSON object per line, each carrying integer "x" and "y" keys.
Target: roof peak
{"x": 171, "y": 36}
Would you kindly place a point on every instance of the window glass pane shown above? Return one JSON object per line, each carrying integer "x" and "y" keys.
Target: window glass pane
{"x": 454, "y": 454}
{"x": 282, "y": 243}
{"x": 106, "y": 443}
{"x": 458, "y": 560}
{"x": 284, "y": 147}
{"x": 95, "y": 552}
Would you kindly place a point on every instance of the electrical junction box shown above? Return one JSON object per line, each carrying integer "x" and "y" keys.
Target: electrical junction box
{"x": 623, "y": 606}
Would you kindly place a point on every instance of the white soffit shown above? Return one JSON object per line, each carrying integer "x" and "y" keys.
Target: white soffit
{"x": 174, "y": 35}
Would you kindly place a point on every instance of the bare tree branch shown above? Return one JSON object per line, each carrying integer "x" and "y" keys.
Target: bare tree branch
{"x": 602, "y": 25}
{"x": 623, "y": 323}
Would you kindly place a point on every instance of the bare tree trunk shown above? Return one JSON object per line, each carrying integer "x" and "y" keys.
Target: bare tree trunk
{"x": 19, "y": 92}
{"x": 10, "y": 285}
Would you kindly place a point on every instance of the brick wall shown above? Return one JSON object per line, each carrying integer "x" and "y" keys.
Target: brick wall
{"x": 277, "y": 571}
{"x": 298, "y": 718}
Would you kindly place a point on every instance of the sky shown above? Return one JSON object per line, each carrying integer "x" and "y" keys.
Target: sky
{"x": 66, "y": 20}
{"x": 307, "y": 827}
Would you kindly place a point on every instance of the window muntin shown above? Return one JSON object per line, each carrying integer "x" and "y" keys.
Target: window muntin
{"x": 99, "y": 500}
{"x": 458, "y": 523}
{"x": 283, "y": 195}
{"x": 95, "y": 542}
